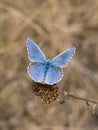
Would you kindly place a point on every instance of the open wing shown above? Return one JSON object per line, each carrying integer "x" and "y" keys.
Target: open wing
{"x": 36, "y": 72}
{"x": 53, "y": 75}
{"x": 35, "y": 54}
{"x": 62, "y": 59}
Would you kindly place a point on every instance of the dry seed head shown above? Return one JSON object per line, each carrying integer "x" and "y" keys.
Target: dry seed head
{"x": 47, "y": 93}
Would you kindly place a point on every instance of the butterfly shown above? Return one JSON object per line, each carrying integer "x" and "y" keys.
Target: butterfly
{"x": 43, "y": 70}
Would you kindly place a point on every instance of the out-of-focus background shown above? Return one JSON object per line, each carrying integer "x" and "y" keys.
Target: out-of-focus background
{"x": 55, "y": 25}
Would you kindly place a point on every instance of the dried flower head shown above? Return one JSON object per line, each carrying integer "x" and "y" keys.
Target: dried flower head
{"x": 47, "y": 93}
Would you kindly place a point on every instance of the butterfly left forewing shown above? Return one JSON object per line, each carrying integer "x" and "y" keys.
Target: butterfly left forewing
{"x": 35, "y": 54}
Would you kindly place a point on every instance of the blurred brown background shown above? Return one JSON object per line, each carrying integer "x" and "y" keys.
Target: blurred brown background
{"x": 55, "y": 25}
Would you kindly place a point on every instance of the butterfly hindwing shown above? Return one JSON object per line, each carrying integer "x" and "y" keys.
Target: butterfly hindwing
{"x": 54, "y": 75}
{"x": 36, "y": 72}
{"x": 35, "y": 54}
{"x": 62, "y": 59}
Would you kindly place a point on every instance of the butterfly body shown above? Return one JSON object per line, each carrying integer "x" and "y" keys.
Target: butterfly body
{"x": 44, "y": 70}
{"x": 47, "y": 65}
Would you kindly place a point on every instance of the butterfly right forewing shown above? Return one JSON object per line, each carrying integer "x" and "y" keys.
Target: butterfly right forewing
{"x": 63, "y": 58}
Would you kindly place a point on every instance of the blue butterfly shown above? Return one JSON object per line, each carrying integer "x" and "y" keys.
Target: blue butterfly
{"x": 44, "y": 70}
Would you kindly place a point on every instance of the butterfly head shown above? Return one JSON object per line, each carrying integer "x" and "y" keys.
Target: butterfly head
{"x": 48, "y": 63}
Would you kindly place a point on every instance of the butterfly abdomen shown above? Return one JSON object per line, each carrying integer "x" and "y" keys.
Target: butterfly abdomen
{"x": 47, "y": 66}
